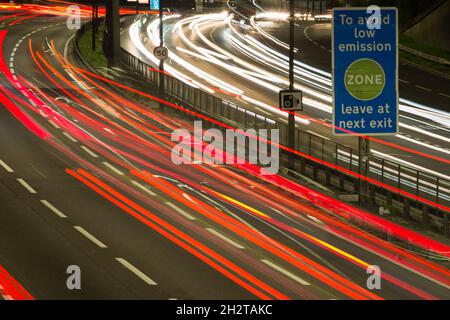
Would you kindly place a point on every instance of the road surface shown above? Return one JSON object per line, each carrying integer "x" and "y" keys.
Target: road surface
{"x": 87, "y": 180}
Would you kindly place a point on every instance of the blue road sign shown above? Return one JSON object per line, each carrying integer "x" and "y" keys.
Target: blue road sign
{"x": 365, "y": 71}
{"x": 154, "y": 5}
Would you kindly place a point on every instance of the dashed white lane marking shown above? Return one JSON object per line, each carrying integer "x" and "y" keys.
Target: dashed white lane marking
{"x": 54, "y": 124}
{"x": 68, "y": 136}
{"x": 225, "y": 238}
{"x": 26, "y": 185}
{"x": 180, "y": 211}
{"x": 6, "y": 167}
{"x": 89, "y": 152}
{"x": 173, "y": 299}
{"x": 136, "y": 271}
{"x": 90, "y": 237}
{"x": 143, "y": 188}
{"x": 113, "y": 168}
{"x": 404, "y": 81}
{"x": 423, "y": 88}
{"x": 109, "y": 131}
{"x": 314, "y": 219}
{"x": 53, "y": 209}
{"x": 285, "y": 272}
{"x": 443, "y": 94}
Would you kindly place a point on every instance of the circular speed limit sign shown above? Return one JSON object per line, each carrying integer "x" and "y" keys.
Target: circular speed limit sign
{"x": 161, "y": 53}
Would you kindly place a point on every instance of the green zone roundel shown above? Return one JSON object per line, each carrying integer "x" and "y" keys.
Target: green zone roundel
{"x": 365, "y": 79}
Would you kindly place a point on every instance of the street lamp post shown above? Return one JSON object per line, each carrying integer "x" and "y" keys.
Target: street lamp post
{"x": 161, "y": 62}
{"x": 364, "y": 153}
{"x": 94, "y": 23}
{"x": 291, "y": 117}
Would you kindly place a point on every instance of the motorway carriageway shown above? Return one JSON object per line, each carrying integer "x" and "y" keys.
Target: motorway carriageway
{"x": 93, "y": 176}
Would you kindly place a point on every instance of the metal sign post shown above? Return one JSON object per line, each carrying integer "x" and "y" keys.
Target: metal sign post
{"x": 365, "y": 77}
{"x": 94, "y": 23}
{"x": 161, "y": 61}
{"x": 112, "y": 46}
{"x": 364, "y": 152}
{"x": 291, "y": 117}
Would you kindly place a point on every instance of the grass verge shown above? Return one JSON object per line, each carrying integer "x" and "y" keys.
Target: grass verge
{"x": 96, "y": 58}
{"x": 442, "y": 68}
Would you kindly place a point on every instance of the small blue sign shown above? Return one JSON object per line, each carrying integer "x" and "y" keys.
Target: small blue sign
{"x": 154, "y": 5}
{"x": 365, "y": 71}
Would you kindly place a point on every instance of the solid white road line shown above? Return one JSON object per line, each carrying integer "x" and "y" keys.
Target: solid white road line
{"x": 224, "y": 238}
{"x": 6, "y": 167}
{"x": 113, "y": 168}
{"x": 180, "y": 211}
{"x": 26, "y": 185}
{"x": 423, "y": 88}
{"x": 140, "y": 186}
{"x": 66, "y": 46}
{"x": 53, "y": 209}
{"x": 89, "y": 152}
{"x": 285, "y": 272}
{"x": 90, "y": 237}
{"x": 136, "y": 271}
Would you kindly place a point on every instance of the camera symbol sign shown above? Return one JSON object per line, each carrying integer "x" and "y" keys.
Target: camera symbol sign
{"x": 291, "y": 100}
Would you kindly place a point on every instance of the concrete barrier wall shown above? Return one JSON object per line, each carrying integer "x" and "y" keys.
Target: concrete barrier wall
{"x": 433, "y": 29}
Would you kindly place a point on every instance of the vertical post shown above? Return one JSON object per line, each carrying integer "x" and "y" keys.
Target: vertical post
{"x": 112, "y": 45}
{"x": 291, "y": 118}
{"x": 446, "y": 224}
{"x": 161, "y": 63}
{"x": 93, "y": 23}
{"x": 437, "y": 189}
{"x": 96, "y": 13}
{"x": 364, "y": 152}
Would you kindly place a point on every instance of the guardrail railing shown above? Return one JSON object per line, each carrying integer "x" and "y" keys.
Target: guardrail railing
{"x": 429, "y": 191}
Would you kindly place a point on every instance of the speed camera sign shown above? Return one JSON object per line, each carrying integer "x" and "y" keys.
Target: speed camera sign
{"x": 161, "y": 53}
{"x": 291, "y": 100}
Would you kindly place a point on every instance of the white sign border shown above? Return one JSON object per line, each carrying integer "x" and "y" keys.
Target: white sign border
{"x": 396, "y": 74}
